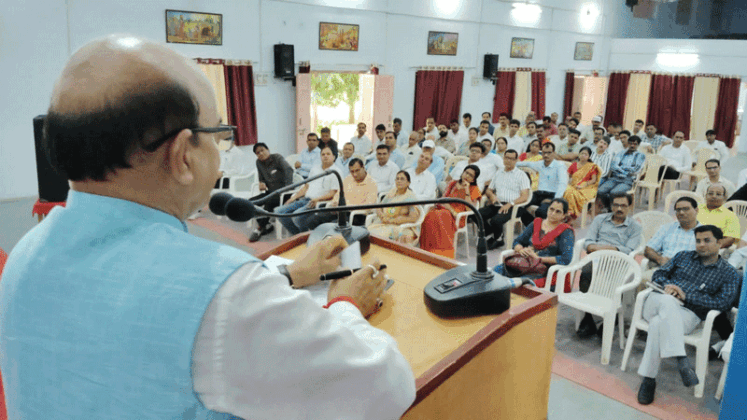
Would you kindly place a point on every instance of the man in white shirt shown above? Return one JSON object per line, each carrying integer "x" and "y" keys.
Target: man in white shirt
{"x": 613, "y": 131}
{"x": 489, "y": 164}
{"x": 310, "y": 194}
{"x": 411, "y": 151}
{"x": 678, "y": 157}
{"x": 484, "y": 134}
{"x": 615, "y": 145}
{"x": 580, "y": 127}
{"x": 531, "y": 127}
{"x": 509, "y": 187}
{"x": 458, "y": 135}
{"x": 380, "y": 132}
{"x": 467, "y": 120}
{"x": 309, "y": 157}
{"x": 361, "y": 141}
{"x": 713, "y": 169}
{"x": 514, "y": 141}
{"x": 562, "y": 134}
{"x": 722, "y": 152}
{"x": 602, "y": 157}
{"x": 588, "y": 132}
{"x": 501, "y": 130}
{"x": 431, "y": 131}
{"x": 383, "y": 171}
{"x": 422, "y": 181}
{"x": 638, "y": 128}
{"x": 233, "y": 162}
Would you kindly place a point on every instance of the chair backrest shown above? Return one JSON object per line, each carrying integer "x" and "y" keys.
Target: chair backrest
{"x": 451, "y": 163}
{"x": 692, "y": 145}
{"x": 650, "y": 222}
{"x": 673, "y": 196}
{"x": 610, "y": 270}
{"x": 739, "y": 208}
{"x": 701, "y": 157}
{"x": 651, "y": 169}
{"x": 292, "y": 159}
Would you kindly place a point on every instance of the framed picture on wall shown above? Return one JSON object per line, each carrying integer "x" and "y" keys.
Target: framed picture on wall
{"x": 442, "y": 43}
{"x": 184, "y": 27}
{"x": 338, "y": 36}
{"x": 584, "y": 51}
{"x": 522, "y": 47}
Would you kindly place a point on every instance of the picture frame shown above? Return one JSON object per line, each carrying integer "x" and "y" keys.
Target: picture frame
{"x": 442, "y": 43}
{"x": 338, "y": 36}
{"x": 584, "y": 51}
{"x": 522, "y": 48}
{"x": 187, "y": 27}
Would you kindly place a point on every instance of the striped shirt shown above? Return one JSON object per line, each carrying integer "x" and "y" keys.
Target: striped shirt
{"x": 604, "y": 161}
{"x": 508, "y": 185}
{"x": 671, "y": 239}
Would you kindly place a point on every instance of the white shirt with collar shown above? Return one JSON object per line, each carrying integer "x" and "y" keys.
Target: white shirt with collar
{"x": 556, "y": 139}
{"x": 412, "y": 153}
{"x": 722, "y": 152}
{"x": 487, "y": 136}
{"x": 516, "y": 143}
{"x": 433, "y": 133}
{"x": 459, "y": 138}
{"x": 678, "y": 158}
{"x": 423, "y": 184}
{"x": 383, "y": 175}
{"x": 362, "y": 145}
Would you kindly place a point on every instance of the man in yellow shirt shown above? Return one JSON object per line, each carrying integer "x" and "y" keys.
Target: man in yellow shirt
{"x": 714, "y": 213}
{"x": 359, "y": 189}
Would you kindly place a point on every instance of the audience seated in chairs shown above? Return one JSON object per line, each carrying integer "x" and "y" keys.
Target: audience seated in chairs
{"x": 722, "y": 152}
{"x": 463, "y": 149}
{"x": 359, "y": 187}
{"x": 500, "y": 147}
{"x": 714, "y": 213}
{"x": 475, "y": 155}
{"x": 678, "y": 157}
{"x": 602, "y": 157}
{"x": 383, "y": 170}
{"x": 444, "y": 140}
{"x": 437, "y": 162}
{"x": 233, "y": 162}
{"x": 552, "y": 183}
{"x": 509, "y": 187}
{"x": 327, "y": 140}
{"x": 411, "y": 150}
{"x": 274, "y": 173}
{"x": 439, "y": 226}
{"x": 316, "y": 191}
{"x": 713, "y": 169}
{"x": 583, "y": 182}
{"x": 568, "y": 150}
{"x": 387, "y": 221}
{"x": 545, "y": 241}
{"x": 623, "y": 172}
{"x": 423, "y": 181}
{"x": 309, "y": 157}
{"x": 694, "y": 283}
{"x": 615, "y": 231}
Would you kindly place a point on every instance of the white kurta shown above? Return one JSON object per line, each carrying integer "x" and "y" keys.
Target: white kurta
{"x": 266, "y": 351}
{"x": 423, "y": 184}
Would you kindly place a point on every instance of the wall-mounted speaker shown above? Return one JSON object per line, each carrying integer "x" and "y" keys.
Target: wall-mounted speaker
{"x": 53, "y": 187}
{"x": 284, "y": 63}
{"x": 490, "y": 67}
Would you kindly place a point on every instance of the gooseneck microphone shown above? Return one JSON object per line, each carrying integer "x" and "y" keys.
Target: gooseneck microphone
{"x": 461, "y": 291}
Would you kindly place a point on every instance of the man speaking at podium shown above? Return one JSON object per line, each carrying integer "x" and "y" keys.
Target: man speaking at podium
{"x": 109, "y": 309}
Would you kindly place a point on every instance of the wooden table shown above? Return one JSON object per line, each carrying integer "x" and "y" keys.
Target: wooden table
{"x": 485, "y": 367}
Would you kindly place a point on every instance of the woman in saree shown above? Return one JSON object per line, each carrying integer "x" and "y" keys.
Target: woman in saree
{"x": 387, "y": 221}
{"x": 500, "y": 146}
{"x": 532, "y": 154}
{"x": 583, "y": 181}
{"x": 439, "y": 226}
{"x": 549, "y": 242}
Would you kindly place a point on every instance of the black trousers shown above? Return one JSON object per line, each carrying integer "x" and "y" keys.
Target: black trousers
{"x": 740, "y": 194}
{"x": 225, "y": 183}
{"x": 669, "y": 172}
{"x": 721, "y": 323}
{"x": 268, "y": 206}
{"x": 494, "y": 220}
{"x": 541, "y": 212}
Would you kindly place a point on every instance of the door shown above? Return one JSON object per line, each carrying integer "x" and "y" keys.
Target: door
{"x": 383, "y": 101}
{"x": 303, "y": 110}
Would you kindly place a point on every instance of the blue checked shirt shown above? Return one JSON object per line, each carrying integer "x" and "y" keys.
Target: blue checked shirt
{"x": 655, "y": 142}
{"x": 626, "y": 165}
{"x": 706, "y": 287}
{"x": 671, "y": 239}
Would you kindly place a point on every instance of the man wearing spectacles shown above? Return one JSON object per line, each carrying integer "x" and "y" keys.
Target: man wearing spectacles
{"x": 673, "y": 237}
{"x": 714, "y": 213}
{"x": 553, "y": 180}
{"x": 713, "y": 169}
{"x": 113, "y": 310}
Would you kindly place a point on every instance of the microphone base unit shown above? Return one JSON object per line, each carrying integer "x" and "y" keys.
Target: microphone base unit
{"x": 462, "y": 291}
{"x": 351, "y": 234}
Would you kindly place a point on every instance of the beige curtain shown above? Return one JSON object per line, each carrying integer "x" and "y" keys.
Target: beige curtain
{"x": 636, "y": 103}
{"x": 523, "y": 95}
{"x": 705, "y": 98}
{"x": 594, "y": 99}
{"x": 214, "y": 73}
{"x": 578, "y": 95}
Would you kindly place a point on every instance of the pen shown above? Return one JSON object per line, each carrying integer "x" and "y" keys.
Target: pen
{"x": 335, "y": 275}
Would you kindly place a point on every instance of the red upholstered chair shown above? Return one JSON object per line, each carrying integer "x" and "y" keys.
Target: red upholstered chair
{"x": 3, "y": 412}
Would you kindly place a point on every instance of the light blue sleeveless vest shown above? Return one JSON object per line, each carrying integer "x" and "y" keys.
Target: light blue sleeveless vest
{"x": 99, "y": 308}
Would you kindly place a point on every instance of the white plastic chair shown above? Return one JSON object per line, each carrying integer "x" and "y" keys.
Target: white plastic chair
{"x": 650, "y": 222}
{"x": 651, "y": 180}
{"x": 509, "y": 228}
{"x": 243, "y": 186}
{"x": 292, "y": 159}
{"x": 739, "y": 208}
{"x": 416, "y": 224}
{"x": 589, "y": 209}
{"x": 464, "y": 230}
{"x": 700, "y": 339}
{"x": 451, "y": 163}
{"x": 613, "y": 273}
{"x": 578, "y": 246}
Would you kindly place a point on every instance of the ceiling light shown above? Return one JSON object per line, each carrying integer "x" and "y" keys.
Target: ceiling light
{"x": 526, "y": 13}
{"x": 676, "y": 60}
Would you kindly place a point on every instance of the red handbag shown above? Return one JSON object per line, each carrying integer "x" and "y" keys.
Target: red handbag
{"x": 518, "y": 265}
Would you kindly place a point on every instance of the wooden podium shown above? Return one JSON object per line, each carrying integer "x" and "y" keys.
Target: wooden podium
{"x": 486, "y": 367}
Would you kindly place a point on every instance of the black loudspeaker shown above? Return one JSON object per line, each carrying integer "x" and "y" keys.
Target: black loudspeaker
{"x": 284, "y": 64}
{"x": 53, "y": 187}
{"x": 491, "y": 66}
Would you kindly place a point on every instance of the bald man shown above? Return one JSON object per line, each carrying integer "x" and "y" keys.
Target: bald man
{"x": 111, "y": 309}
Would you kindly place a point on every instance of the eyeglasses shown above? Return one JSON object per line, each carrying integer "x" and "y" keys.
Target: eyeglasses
{"x": 152, "y": 147}
{"x": 712, "y": 168}
{"x": 682, "y": 209}
{"x": 619, "y": 206}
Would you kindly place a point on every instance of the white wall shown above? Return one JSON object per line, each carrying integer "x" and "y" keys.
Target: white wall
{"x": 36, "y": 40}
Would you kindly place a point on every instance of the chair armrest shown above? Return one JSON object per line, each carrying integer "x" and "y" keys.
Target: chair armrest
{"x": 462, "y": 215}
{"x": 637, "y": 251}
{"x": 708, "y": 323}
{"x": 631, "y": 285}
{"x": 578, "y": 248}
{"x": 370, "y": 219}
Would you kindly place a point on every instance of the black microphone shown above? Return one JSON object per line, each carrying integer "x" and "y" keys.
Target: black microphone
{"x": 461, "y": 291}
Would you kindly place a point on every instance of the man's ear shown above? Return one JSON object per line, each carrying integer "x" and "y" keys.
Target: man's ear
{"x": 179, "y": 158}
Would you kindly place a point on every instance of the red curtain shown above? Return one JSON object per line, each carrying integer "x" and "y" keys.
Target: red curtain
{"x": 570, "y": 78}
{"x": 438, "y": 94}
{"x": 661, "y": 103}
{"x": 617, "y": 94}
{"x": 505, "y": 92}
{"x": 683, "y": 100}
{"x": 725, "y": 123}
{"x": 242, "y": 111}
{"x": 538, "y": 93}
